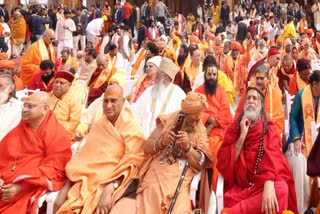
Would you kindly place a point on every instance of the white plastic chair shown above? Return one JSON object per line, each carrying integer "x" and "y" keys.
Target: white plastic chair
{"x": 25, "y": 93}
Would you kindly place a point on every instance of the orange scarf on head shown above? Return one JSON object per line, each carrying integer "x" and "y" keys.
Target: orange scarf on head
{"x": 308, "y": 107}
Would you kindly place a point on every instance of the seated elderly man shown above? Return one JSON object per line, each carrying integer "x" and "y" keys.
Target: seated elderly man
{"x": 10, "y": 107}
{"x": 33, "y": 157}
{"x": 107, "y": 163}
{"x": 163, "y": 97}
{"x": 66, "y": 101}
{"x": 160, "y": 175}
{"x": 256, "y": 174}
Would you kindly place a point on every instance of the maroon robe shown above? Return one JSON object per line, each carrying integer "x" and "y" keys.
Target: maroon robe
{"x": 273, "y": 166}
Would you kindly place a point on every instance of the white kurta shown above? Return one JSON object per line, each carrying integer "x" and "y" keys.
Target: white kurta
{"x": 93, "y": 29}
{"x": 316, "y": 14}
{"x": 10, "y": 114}
{"x": 143, "y": 107}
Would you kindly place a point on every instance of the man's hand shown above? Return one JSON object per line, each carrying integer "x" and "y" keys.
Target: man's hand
{"x": 1, "y": 183}
{"x": 183, "y": 139}
{"x": 171, "y": 136}
{"x": 269, "y": 199}
{"x": 244, "y": 126}
{"x": 9, "y": 191}
{"x": 105, "y": 201}
{"x": 297, "y": 146}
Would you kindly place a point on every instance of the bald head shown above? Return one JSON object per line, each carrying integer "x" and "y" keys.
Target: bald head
{"x": 113, "y": 102}
{"x": 39, "y": 97}
{"x": 35, "y": 109}
{"x": 48, "y": 36}
{"x": 102, "y": 61}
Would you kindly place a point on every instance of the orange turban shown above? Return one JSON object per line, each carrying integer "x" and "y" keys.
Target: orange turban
{"x": 309, "y": 31}
{"x": 3, "y": 55}
{"x": 236, "y": 45}
{"x": 7, "y": 63}
{"x": 194, "y": 103}
{"x": 194, "y": 39}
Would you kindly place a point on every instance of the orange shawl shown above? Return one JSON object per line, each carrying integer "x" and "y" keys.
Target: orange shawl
{"x": 39, "y": 158}
{"x": 296, "y": 83}
{"x": 18, "y": 31}
{"x": 111, "y": 152}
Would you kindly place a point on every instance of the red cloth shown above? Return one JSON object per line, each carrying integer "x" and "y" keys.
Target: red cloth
{"x": 237, "y": 174}
{"x": 127, "y": 10}
{"x": 37, "y": 83}
{"x": 40, "y": 158}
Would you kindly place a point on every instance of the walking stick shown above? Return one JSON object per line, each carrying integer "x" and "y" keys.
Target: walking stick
{"x": 175, "y": 196}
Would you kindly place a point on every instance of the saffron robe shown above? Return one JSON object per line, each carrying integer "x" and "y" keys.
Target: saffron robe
{"x": 39, "y": 157}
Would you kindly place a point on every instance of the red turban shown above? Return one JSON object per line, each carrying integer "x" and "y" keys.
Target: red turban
{"x": 65, "y": 75}
{"x": 273, "y": 51}
{"x": 5, "y": 63}
{"x": 236, "y": 45}
{"x": 264, "y": 34}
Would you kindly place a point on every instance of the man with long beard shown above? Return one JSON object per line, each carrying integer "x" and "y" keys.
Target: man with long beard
{"x": 181, "y": 79}
{"x": 272, "y": 96}
{"x": 256, "y": 174}
{"x": 161, "y": 98}
{"x": 10, "y": 107}
{"x": 217, "y": 116}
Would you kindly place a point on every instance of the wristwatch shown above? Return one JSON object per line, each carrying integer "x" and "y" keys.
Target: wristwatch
{"x": 115, "y": 185}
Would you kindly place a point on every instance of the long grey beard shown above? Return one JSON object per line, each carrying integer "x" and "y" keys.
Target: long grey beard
{"x": 3, "y": 97}
{"x": 252, "y": 115}
{"x": 157, "y": 89}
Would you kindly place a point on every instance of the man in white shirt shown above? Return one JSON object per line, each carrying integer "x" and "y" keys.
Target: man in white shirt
{"x": 10, "y": 107}
{"x": 163, "y": 97}
{"x": 64, "y": 29}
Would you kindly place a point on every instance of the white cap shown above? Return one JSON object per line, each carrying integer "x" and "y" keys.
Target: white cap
{"x": 156, "y": 60}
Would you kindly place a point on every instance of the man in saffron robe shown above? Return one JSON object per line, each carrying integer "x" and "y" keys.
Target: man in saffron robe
{"x": 181, "y": 79}
{"x": 98, "y": 178}
{"x": 304, "y": 110}
{"x": 158, "y": 181}
{"x": 35, "y": 54}
{"x": 236, "y": 68}
{"x": 18, "y": 33}
{"x": 272, "y": 97}
{"x": 33, "y": 157}
{"x": 287, "y": 69}
{"x": 217, "y": 116}
{"x": 256, "y": 174}
{"x": 300, "y": 79}
{"x": 66, "y": 59}
{"x": 195, "y": 66}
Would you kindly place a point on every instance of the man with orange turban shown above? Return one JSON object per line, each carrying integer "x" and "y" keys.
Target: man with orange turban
{"x": 8, "y": 66}
{"x": 235, "y": 67}
{"x": 159, "y": 176}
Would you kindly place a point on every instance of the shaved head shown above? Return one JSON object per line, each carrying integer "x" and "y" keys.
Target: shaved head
{"x": 113, "y": 102}
{"x": 35, "y": 109}
{"x": 39, "y": 97}
{"x": 102, "y": 61}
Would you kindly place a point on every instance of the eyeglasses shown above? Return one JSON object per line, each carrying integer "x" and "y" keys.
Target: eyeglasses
{"x": 52, "y": 39}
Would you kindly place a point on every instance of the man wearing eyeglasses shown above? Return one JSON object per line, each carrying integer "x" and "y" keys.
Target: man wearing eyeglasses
{"x": 10, "y": 107}
{"x": 34, "y": 155}
{"x": 35, "y": 54}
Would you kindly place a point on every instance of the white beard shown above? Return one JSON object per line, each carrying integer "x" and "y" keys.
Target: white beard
{"x": 157, "y": 89}
{"x": 3, "y": 97}
{"x": 252, "y": 115}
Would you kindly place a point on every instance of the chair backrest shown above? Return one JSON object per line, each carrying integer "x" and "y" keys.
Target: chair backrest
{"x": 25, "y": 93}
